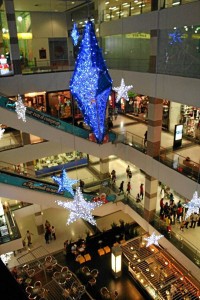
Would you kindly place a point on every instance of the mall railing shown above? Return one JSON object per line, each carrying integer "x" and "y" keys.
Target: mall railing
{"x": 40, "y": 66}
{"x": 11, "y": 141}
{"x": 179, "y": 163}
{"x": 54, "y": 122}
{"x": 178, "y": 240}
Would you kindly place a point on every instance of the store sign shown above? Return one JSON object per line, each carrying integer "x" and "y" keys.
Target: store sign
{"x": 40, "y": 187}
{"x": 42, "y": 117}
{"x": 178, "y": 134}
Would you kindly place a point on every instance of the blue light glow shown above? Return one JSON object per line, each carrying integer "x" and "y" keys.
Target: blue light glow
{"x": 175, "y": 37}
{"x": 91, "y": 83}
{"x": 65, "y": 183}
{"x": 75, "y": 34}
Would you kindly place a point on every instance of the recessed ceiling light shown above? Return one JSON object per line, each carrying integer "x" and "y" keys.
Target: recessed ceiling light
{"x": 73, "y": 2}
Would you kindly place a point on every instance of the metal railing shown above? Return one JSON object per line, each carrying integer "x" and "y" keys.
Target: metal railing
{"x": 178, "y": 240}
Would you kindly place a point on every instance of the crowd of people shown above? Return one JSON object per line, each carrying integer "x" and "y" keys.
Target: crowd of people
{"x": 172, "y": 212}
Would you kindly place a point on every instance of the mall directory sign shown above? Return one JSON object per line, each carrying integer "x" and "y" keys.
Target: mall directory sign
{"x": 178, "y": 135}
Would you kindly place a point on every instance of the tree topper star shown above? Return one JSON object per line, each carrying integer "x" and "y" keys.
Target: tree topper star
{"x": 65, "y": 183}
{"x": 79, "y": 208}
{"x": 122, "y": 91}
{"x": 153, "y": 239}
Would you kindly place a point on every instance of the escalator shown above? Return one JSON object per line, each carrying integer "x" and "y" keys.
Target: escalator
{"x": 55, "y": 130}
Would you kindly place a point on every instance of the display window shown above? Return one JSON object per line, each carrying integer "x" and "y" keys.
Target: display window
{"x": 36, "y": 100}
{"x": 62, "y": 105}
{"x": 190, "y": 118}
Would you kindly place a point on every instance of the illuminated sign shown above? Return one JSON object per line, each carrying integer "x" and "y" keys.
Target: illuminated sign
{"x": 178, "y": 132}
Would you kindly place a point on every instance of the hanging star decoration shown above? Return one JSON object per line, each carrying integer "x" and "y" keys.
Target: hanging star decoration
{"x": 91, "y": 83}
{"x": 79, "y": 208}
{"x": 193, "y": 205}
{"x": 1, "y": 131}
{"x": 175, "y": 37}
{"x": 20, "y": 109}
{"x": 153, "y": 239}
{"x": 75, "y": 35}
{"x": 122, "y": 91}
{"x": 65, "y": 183}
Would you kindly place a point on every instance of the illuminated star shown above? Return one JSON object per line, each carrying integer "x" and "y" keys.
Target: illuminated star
{"x": 79, "y": 208}
{"x": 1, "y": 132}
{"x": 176, "y": 37}
{"x": 65, "y": 183}
{"x": 122, "y": 91}
{"x": 153, "y": 239}
{"x": 193, "y": 205}
{"x": 20, "y": 109}
{"x": 75, "y": 35}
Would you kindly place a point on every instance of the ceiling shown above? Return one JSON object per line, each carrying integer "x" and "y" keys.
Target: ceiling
{"x": 47, "y": 5}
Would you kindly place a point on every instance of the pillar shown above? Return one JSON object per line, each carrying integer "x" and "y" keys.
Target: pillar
{"x": 104, "y": 168}
{"x": 155, "y": 111}
{"x": 174, "y": 115}
{"x": 14, "y": 45}
{"x": 151, "y": 188}
{"x": 39, "y": 222}
{"x": 153, "y": 50}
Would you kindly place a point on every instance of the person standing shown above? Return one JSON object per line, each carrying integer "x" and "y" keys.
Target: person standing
{"x": 28, "y": 236}
{"x": 128, "y": 189}
{"x": 53, "y": 232}
{"x": 145, "y": 138}
{"x": 113, "y": 176}
{"x": 141, "y": 191}
{"x": 127, "y": 171}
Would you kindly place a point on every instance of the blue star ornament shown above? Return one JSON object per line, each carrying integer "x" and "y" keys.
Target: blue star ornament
{"x": 175, "y": 37}
{"x": 75, "y": 34}
{"x": 65, "y": 183}
{"x": 91, "y": 83}
{"x": 122, "y": 91}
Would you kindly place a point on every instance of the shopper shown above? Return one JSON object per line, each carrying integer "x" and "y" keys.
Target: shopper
{"x": 127, "y": 171}
{"x": 128, "y": 189}
{"x": 53, "y": 232}
{"x": 141, "y": 191}
{"x": 28, "y": 236}
{"x": 145, "y": 139}
{"x": 121, "y": 187}
{"x": 113, "y": 176}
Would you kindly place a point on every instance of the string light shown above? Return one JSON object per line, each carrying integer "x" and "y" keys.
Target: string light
{"x": 65, "y": 183}
{"x": 193, "y": 205}
{"x": 122, "y": 91}
{"x": 75, "y": 34}
{"x": 20, "y": 109}
{"x": 175, "y": 37}
{"x": 79, "y": 208}
{"x": 91, "y": 83}
{"x": 153, "y": 239}
{"x": 1, "y": 131}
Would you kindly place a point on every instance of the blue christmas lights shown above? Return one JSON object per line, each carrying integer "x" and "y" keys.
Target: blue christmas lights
{"x": 91, "y": 83}
{"x": 65, "y": 183}
{"x": 75, "y": 34}
{"x": 175, "y": 37}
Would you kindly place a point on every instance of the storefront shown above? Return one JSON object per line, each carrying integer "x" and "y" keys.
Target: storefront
{"x": 190, "y": 118}
{"x": 62, "y": 105}
{"x": 56, "y": 163}
{"x": 36, "y": 100}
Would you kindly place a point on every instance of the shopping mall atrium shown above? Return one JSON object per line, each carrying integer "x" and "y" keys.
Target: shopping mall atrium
{"x": 142, "y": 114}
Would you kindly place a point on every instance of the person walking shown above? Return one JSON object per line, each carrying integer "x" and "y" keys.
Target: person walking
{"x": 145, "y": 138}
{"x": 128, "y": 189}
{"x": 127, "y": 171}
{"x": 121, "y": 187}
{"x": 141, "y": 191}
{"x": 28, "y": 236}
{"x": 113, "y": 176}
{"x": 53, "y": 232}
